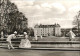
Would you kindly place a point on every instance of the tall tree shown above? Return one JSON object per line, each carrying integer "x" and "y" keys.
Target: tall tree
{"x": 76, "y": 22}
{"x": 16, "y": 20}
{"x": 11, "y": 18}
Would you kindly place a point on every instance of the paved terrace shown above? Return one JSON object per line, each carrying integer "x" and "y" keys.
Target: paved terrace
{"x": 20, "y": 52}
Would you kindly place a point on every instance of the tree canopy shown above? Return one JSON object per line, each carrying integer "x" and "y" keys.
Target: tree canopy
{"x": 11, "y": 18}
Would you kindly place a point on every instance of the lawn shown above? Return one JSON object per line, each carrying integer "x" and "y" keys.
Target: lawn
{"x": 53, "y": 38}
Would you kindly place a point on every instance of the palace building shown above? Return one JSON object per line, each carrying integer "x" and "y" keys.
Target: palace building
{"x": 47, "y": 30}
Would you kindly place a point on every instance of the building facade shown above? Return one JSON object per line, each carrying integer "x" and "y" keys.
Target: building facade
{"x": 47, "y": 30}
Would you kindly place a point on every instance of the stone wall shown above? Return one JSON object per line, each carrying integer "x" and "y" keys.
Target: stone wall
{"x": 46, "y": 44}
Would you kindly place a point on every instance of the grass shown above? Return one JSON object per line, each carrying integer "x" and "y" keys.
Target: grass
{"x": 53, "y": 38}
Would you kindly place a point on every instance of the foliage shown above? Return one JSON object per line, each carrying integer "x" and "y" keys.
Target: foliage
{"x": 77, "y": 19}
{"x": 11, "y": 19}
{"x": 15, "y": 21}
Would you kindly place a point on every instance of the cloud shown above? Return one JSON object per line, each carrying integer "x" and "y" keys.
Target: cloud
{"x": 58, "y": 7}
{"x": 74, "y": 9}
{"x": 46, "y": 5}
{"x": 49, "y": 11}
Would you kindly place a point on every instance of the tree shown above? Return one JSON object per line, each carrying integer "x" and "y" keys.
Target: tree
{"x": 10, "y": 17}
{"x": 76, "y": 21}
{"x": 31, "y": 31}
{"x": 16, "y": 21}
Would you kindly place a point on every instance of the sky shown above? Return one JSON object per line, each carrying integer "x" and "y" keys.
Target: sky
{"x": 49, "y": 11}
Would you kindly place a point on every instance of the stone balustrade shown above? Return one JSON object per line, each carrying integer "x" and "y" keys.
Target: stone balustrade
{"x": 45, "y": 44}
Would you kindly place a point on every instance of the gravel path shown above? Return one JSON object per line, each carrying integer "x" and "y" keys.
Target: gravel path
{"x": 17, "y": 52}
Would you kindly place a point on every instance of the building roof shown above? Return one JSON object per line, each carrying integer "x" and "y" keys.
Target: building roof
{"x": 46, "y": 26}
{"x": 57, "y": 25}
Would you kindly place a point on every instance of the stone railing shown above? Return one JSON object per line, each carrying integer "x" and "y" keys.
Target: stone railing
{"x": 44, "y": 44}
{"x": 57, "y": 44}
